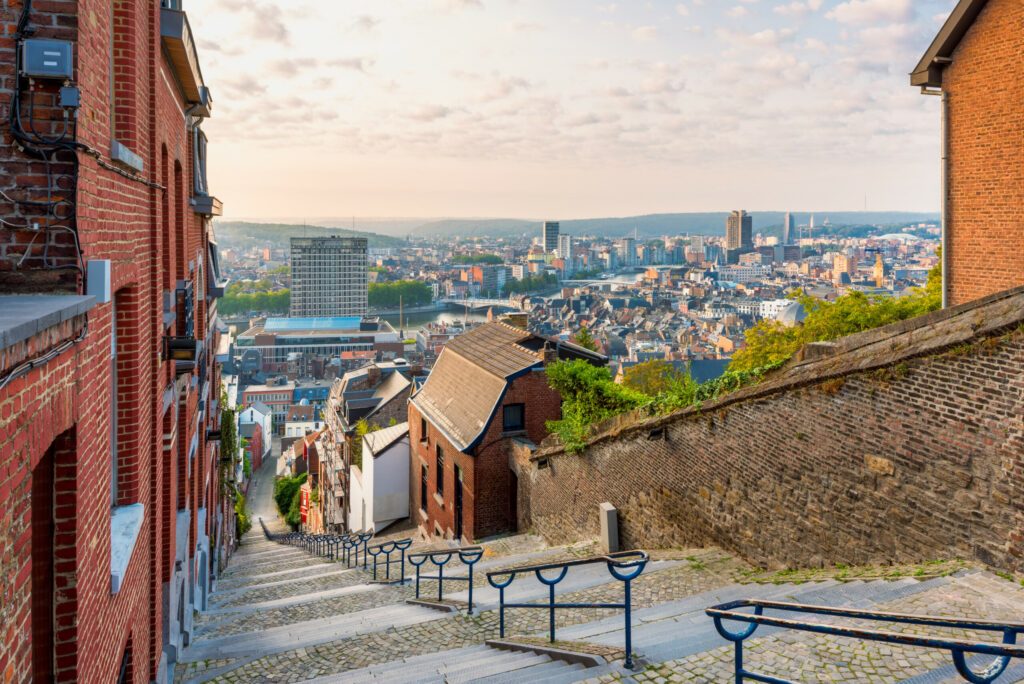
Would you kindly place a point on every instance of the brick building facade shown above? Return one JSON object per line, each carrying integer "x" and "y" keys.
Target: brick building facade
{"x": 487, "y": 389}
{"x": 983, "y": 128}
{"x": 114, "y": 522}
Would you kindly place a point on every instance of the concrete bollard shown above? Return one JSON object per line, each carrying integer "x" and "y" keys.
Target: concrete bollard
{"x": 609, "y": 528}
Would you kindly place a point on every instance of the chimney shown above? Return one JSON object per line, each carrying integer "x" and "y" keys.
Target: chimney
{"x": 517, "y": 320}
{"x": 373, "y": 376}
{"x": 550, "y": 354}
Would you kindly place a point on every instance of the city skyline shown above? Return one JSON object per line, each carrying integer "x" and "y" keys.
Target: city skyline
{"x": 570, "y": 110}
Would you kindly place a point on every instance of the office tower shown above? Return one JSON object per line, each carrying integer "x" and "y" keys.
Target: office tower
{"x": 328, "y": 277}
{"x": 627, "y": 251}
{"x": 739, "y": 229}
{"x": 788, "y": 229}
{"x": 565, "y": 246}
{"x": 549, "y": 236}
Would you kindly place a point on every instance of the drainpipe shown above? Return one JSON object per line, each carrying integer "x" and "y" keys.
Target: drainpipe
{"x": 945, "y": 199}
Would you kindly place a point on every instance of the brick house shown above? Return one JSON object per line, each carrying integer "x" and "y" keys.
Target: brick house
{"x": 115, "y": 522}
{"x": 487, "y": 388}
{"x": 983, "y": 165}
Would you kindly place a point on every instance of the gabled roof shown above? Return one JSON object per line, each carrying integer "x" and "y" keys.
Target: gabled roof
{"x": 928, "y": 72}
{"x": 261, "y": 408}
{"x": 469, "y": 379}
{"x": 382, "y": 439}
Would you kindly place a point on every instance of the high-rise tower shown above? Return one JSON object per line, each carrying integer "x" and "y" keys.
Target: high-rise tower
{"x": 329, "y": 277}
{"x": 788, "y": 229}
{"x": 739, "y": 229}
{"x": 549, "y": 236}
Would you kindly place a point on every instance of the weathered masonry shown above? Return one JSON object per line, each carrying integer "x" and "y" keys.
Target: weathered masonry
{"x": 904, "y": 443}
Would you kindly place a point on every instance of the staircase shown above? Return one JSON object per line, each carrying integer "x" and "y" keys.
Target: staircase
{"x": 472, "y": 664}
{"x": 280, "y": 614}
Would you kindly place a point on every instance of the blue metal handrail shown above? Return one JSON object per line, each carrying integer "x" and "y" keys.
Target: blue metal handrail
{"x": 469, "y": 555}
{"x": 959, "y": 648}
{"x": 351, "y": 544}
{"x": 624, "y": 566}
{"x": 386, "y": 549}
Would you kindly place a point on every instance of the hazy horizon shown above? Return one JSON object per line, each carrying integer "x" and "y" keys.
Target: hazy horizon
{"x": 492, "y": 108}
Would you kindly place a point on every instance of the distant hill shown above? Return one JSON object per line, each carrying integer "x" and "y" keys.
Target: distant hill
{"x": 708, "y": 223}
{"x": 242, "y": 233}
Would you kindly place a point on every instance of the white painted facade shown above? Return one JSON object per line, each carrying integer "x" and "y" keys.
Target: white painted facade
{"x": 379, "y": 492}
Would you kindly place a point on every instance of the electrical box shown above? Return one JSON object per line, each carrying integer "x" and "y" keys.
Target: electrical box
{"x": 97, "y": 282}
{"x": 42, "y": 58}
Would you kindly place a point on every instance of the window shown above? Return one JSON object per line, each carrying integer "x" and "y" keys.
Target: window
{"x": 423, "y": 486}
{"x": 423, "y": 429}
{"x": 514, "y": 418}
{"x": 440, "y": 471}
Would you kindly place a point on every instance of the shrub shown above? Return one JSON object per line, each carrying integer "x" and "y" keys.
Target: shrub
{"x": 285, "y": 490}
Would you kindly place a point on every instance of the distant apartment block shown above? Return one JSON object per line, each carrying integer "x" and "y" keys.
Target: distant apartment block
{"x": 329, "y": 277}
{"x": 549, "y": 236}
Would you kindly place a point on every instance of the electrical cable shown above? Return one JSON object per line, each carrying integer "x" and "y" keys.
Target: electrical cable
{"x": 23, "y": 368}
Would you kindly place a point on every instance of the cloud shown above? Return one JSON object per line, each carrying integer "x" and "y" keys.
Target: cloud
{"x": 361, "y": 64}
{"x": 430, "y": 113}
{"x": 738, "y": 11}
{"x": 645, "y": 33}
{"x": 456, "y": 5}
{"x": 872, "y": 11}
{"x": 798, "y": 8}
{"x": 292, "y": 67}
{"x": 265, "y": 20}
{"x": 364, "y": 22}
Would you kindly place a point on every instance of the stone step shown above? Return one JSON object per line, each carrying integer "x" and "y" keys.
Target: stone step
{"x": 292, "y": 574}
{"x": 544, "y": 667}
{"x": 278, "y": 639}
{"x": 328, "y": 571}
{"x": 681, "y": 628}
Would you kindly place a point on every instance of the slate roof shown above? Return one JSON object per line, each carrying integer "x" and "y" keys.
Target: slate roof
{"x": 471, "y": 374}
{"x": 382, "y": 439}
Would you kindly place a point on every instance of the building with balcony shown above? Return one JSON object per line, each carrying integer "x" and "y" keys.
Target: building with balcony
{"x": 329, "y": 277}
{"x": 109, "y": 387}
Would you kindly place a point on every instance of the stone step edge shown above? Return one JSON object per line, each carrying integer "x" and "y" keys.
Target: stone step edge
{"x": 434, "y": 605}
{"x": 587, "y": 660}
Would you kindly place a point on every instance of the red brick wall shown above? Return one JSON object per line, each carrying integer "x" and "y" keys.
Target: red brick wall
{"x": 986, "y": 156}
{"x": 147, "y": 229}
{"x": 488, "y": 483}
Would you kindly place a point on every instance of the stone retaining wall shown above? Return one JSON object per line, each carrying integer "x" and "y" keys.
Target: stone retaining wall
{"x": 908, "y": 447}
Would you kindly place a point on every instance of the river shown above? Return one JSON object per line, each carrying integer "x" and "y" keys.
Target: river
{"x": 415, "y": 321}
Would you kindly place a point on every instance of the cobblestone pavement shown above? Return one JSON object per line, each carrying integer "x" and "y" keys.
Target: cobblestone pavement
{"x": 713, "y": 570}
{"x": 805, "y": 657}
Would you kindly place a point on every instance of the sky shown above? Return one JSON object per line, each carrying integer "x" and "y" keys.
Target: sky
{"x": 565, "y": 109}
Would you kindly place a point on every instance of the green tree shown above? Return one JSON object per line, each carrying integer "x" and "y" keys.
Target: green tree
{"x": 408, "y": 292}
{"x": 652, "y": 377}
{"x": 363, "y": 428}
{"x": 770, "y": 342}
{"x": 584, "y": 339}
{"x": 472, "y": 259}
{"x": 588, "y": 396}
{"x": 285, "y": 490}
{"x": 533, "y": 283}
